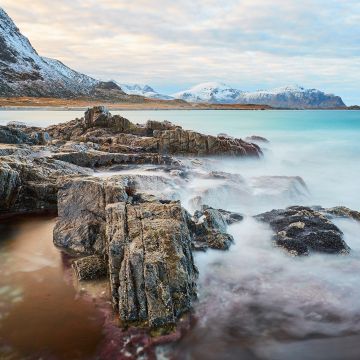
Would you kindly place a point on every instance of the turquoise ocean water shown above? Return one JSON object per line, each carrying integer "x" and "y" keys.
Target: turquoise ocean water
{"x": 256, "y": 302}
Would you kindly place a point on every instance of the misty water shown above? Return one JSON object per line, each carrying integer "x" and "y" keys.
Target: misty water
{"x": 255, "y": 302}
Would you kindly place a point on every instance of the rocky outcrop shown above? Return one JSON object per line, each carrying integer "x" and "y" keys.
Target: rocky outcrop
{"x": 152, "y": 273}
{"x": 302, "y": 230}
{"x": 208, "y": 228}
{"x": 341, "y": 212}
{"x": 29, "y": 183}
{"x": 15, "y": 134}
{"x": 146, "y": 242}
{"x": 117, "y": 134}
{"x": 95, "y": 158}
{"x": 185, "y": 142}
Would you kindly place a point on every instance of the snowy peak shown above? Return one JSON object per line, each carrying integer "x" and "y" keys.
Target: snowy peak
{"x": 290, "y": 96}
{"x": 24, "y": 73}
{"x": 209, "y": 92}
{"x": 143, "y": 90}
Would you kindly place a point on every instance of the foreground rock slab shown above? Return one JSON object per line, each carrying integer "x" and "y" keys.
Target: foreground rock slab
{"x": 145, "y": 242}
{"x": 302, "y": 230}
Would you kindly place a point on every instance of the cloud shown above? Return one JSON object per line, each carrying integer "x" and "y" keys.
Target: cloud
{"x": 247, "y": 43}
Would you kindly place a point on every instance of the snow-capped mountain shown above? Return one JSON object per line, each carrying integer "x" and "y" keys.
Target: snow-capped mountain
{"x": 210, "y": 92}
{"x": 283, "y": 97}
{"x": 292, "y": 97}
{"x": 23, "y": 72}
{"x": 144, "y": 90}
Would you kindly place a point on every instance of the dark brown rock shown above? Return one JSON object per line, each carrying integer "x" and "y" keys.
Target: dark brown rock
{"x": 92, "y": 267}
{"x": 301, "y": 230}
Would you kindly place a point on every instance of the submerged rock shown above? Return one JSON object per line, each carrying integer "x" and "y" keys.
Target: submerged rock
{"x": 301, "y": 230}
{"x": 342, "y": 212}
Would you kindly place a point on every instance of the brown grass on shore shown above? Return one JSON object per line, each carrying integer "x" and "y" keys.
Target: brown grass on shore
{"x": 147, "y": 104}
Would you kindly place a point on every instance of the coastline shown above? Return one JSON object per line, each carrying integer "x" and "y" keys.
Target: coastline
{"x": 54, "y": 104}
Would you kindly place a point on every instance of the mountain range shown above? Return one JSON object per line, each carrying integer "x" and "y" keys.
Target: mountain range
{"x": 24, "y": 73}
{"x": 292, "y": 96}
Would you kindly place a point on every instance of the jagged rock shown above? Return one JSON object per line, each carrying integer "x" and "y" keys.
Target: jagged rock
{"x": 301, "y": 230}
{"x": 16, "y": 124}
{"x": 152, "y": 273}
{"x": 231, "y": 217}
{"x": 208, "y": 228}
{"x": 146, "y": 241}
{"x": 29, "y": 183}
{"x": 9, "y": 186}
{"x": 95, "y": 158}
{"x": 117, "y": 134}
{"x": 13, "y": 135}
{"x": 99, "y": 116}
{"x": 90, "y": 268}
{"x": 187, "y": 142}
{"x": 342, "y": 212}
{"x": 153, "y": 125}
{"x": 81, "y": 210}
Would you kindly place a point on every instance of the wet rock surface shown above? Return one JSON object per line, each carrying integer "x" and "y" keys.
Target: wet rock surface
{"x": 341, "y": 212}
{"x": 209, "y": 227}
{"x": 302, "y": 230}
{"x": 146, "y": 242}
{"x": 131, "y": 229}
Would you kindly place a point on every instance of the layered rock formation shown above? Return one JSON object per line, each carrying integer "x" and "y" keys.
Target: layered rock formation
{"x": 146, "y": 244}
{"x": 302, "y": 230}
{"x": 117, "y": 134}
{"x": 28, "y": 183}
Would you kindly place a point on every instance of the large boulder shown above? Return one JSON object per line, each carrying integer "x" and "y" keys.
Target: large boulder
{"x": 146, "y": 242}
{"x": 152, "y": 273}
{"x": 302, "y": 230}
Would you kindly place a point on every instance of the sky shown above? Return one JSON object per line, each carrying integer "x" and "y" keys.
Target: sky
{"x": 172, "y": 45}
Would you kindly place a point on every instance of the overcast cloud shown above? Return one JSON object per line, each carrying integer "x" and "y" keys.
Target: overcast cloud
{"x": 248, "y": 44}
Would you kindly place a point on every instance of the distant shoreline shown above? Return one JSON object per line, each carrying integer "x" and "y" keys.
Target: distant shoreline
{"x": 54, "y": 104}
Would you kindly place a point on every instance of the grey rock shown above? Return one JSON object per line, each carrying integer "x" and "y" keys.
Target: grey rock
{"x": 29, "y": 183}
{"x": 146, "y": 242}
{"x": 208, "y": 228}
{"x": 301, "y": 230}
{"x": 13, "y": 135}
